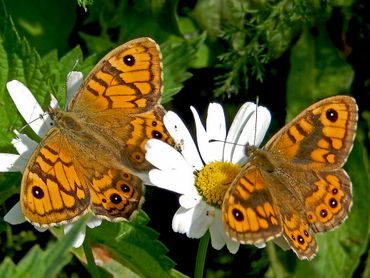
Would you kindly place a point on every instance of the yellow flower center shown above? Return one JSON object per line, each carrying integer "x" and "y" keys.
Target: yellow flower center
{"x": 214, "y": 179}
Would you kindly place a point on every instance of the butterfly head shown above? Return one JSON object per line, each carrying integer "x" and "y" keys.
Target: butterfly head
{"x": 259, "y": 157}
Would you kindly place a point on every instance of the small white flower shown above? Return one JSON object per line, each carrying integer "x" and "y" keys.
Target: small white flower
{"x": 40, "y": 122}
{"x": 195, "y": 173}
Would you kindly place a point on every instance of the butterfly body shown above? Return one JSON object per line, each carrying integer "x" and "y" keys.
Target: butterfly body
{"x": 87, "y": 161}
{"x": 295, "y": 187}
{"x": 91, "y": 141}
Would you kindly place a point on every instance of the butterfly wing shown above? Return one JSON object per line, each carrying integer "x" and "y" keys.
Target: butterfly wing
{"x": 298, "y": 232}
{"x": 129, "y": 79}
{"x": 57, "y": 189}
{"x": 249, "y": 212}
{"x": 122, "y": 94}
{"x": 53, "y": 189}
{"x": 252, "y": 214}
{"x": 116, "y": 195}
{"x": 328, "y": 198}
{"x": 321, "y": 137}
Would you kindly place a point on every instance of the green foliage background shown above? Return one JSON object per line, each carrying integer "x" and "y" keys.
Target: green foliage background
{"x": 290, "y": 53}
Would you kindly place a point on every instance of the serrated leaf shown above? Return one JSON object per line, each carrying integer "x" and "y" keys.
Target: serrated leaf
{"x": 59, "y": 68}
{"x": 23, "y": 63}
{"x": 178, "y": 57}
{"x": 131, "y": 245}
{"x": 44, "y": 263}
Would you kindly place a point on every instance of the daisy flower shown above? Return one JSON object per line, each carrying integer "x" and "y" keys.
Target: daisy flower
{"x": 39, "y": 121}
{"x": 200, "y": 173}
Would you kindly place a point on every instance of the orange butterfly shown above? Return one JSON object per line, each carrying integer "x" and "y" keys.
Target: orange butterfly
{"x": 295, "y": 186}
{"x": 87, "y": 161}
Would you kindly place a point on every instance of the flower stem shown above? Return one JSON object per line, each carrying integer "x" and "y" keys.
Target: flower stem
{"x": 201, "y": 256}
{"x": 91, "y": 266}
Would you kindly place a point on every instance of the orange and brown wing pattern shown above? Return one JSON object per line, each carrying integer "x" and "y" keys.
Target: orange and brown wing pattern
{"x": 299, "y": 234}
{"x": 249, "y": 213}
{"x": 116, "y": 195}
{"x": 329, "y": 203}
{"x": 53, "y": 189}
{"x": 143, "y": 127}
{"x": 129, "y": 78}
{"x": 321, "y": 137}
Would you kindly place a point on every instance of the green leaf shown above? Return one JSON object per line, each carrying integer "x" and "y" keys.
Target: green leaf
{"x": 21, "y": 62}
{"x": 85, "y": 3}
{"x": 178, "y": 56}
{"x": 46, "y": 25}
{"x": 59, "y": 69}
{"x": 122, "y": 21}
{"x": 44, "y": 263}
{"x": 131, "y": 247}
{"x": 317, "y": 71}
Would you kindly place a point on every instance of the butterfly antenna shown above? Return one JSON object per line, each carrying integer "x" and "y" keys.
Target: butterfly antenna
{"x": 41, "y": 116}
{"x": 255, "y": 123}
{"x": 226, "y": 142}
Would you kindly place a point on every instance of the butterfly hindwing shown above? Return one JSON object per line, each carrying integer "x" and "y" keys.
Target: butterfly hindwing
{"x": 116, "y": 195}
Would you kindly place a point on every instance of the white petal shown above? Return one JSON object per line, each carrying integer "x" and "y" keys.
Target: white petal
{"x": 200, "y": 225}
{"x": 79, "y": 240}
{"x": 216, "y": 130}
{"x": 53, "y": 102}
{"x": 15, "y": 215}
{"x": 181, "y": 135}
{"x": 24, "y": 145}
{"x": 231, "y": 245}
{"x": 242, "y": 117}
{"x": 189, "y": 201}
{"x": 260, "y": 245}
{"x": 202, "y": 138}
{"x": 247, "y": 136}
{"x": 210, "y": 151}
{"x": 10, "y": 162}
{"x": 175, "y": 181}
{"x": 94, "y": 222}
{"x": 216, "y": 124}
{"x": 183, "y": 220}
{"x": 40, "y": 229}
{"x": 28, "y": 107}
{"x": 215, "y": 230}
{"x": 219, "y": 237}
{"x": 164, "y": 157}
{"x": 74, "y": 82}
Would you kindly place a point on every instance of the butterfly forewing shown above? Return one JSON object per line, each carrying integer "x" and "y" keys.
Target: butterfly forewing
{"x": 122, "y": 94}
{"x": 321, "y": 137}
{"x": 53, "y": 189}
{"x": 129, "y": 79}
